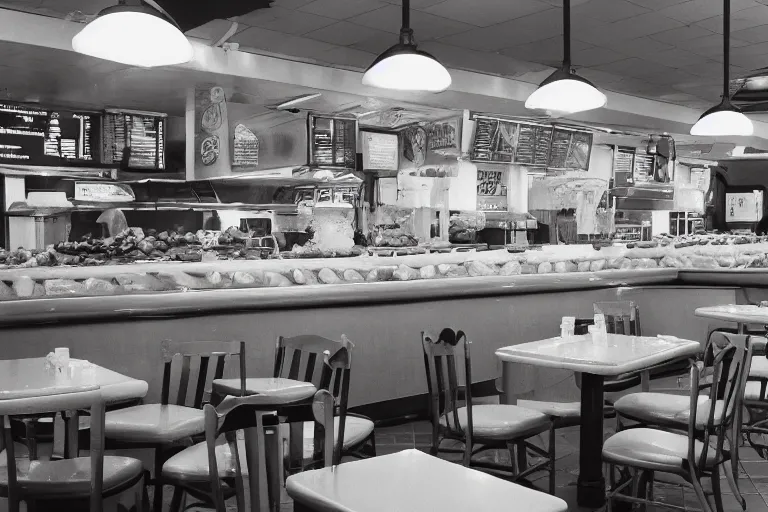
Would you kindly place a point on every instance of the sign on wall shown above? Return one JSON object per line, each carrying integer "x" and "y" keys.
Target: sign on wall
{"x": 381, "y": 151}
{"x": 491, "y": 188}
{"x": 744, "y": 207}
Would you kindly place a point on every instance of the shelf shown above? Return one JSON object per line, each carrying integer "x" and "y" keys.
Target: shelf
{"x": 74, "y": 173}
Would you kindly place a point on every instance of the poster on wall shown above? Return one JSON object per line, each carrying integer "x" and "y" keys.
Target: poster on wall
{"x": 431, "y": 150}
{"x": 381, "y": 151}
{"x": 744, "y": 207}
{"x": 233, "y": 138}
{"x": 491, "y": 188}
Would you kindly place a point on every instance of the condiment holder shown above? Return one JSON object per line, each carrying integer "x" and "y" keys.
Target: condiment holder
{"x": 567, "y": 327}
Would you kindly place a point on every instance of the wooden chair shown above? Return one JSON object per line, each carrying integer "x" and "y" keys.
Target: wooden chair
{"x": 77, "y": 483}
{"x": 490, "y": 426}
{"x": 172, "y": 424}
{"x": 303, "y": 358}
{"x": 694, "y": 455}
{"x": 335, "y": 382}
{"x": 211, "y": 471}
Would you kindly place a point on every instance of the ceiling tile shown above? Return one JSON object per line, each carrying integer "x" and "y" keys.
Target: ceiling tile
{"x": 348, "y": 57}
{"x": 698, "y": 10}
{"x": 704, "y": 69}
{"x": 549, "y": 51}
{"x": 278, "y": 42}
{"x": 752, "y": 35}
{"x": 656, "y": 5}
{"x": 345, "y": 33}
{"x": 640, "y": 47}
{"x": 425, "y": 26}
{"x": 749, "y": 62}
{"x": 290, "y": 4}
{"x": 341, "y": 9}
{"x": 600, "y": 78}
{"x": 483, "y": 62}
{"x": 709, "y": 46}
{"x": 416, "y": 4}
{"x": 634, "y": 67}
{"x": 595, "y": 56}
{"x": 752, "y": 49}
{"x": 632, "y": 28}
{"x": 677, "y": 57}
{"x": 683, "y": 33}
{"x": 376, "y": 42}
{"x": 608, "y": 10}
{"x": 671, "y": 77}
{"x": 536, "y": 27}
{"x": 284, "y": 20}
{"x": 746, "y": 18}
{"x": 483, "y": 13}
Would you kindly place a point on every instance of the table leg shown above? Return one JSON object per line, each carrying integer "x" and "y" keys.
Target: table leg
{"x": 741, "y": 328}
{"x": 72, "y": 433}
{"x": 591, "y": 483}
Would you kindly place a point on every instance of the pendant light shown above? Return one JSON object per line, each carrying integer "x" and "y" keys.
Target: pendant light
{"x": 564, "y": 91}
{"x": 136, "y": 34}
{"x": 403, "y": 67}
{"x": 724, "y": 119}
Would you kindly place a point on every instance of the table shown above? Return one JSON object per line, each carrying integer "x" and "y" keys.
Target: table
{"x": 26, "y": 378}
{"x": 411, "y": 481}
{"x": 615, "y": 355}
{"x": 740, "y": 314}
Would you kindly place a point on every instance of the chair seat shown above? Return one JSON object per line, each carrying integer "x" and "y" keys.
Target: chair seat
{"x": 154, "y": 423}
{"x": 752, "y": 393}
{"x": 759, "y": 367}
{"x": 191, "y": 464}
{"x": 69, "y": 478}
{"x": 665, "y": 409}
{"x": 562, "y": 410}
{"x": 652, "y": 449}
{"x": 276, "y": 391}
{"x": 356, "y": 430}
{"x": 502, "y": 422}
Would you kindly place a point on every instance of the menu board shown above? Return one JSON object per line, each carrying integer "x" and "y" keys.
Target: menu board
{"x": 495, "y": 140}
{"x": 381, "y": 151}
{"x": 36, "y": 136}
{"x": 533, "y": 143}
{"x": 643, "y": 169}
{"x": 744, "y": 207}
{"x": 333, "y": 142}
{"x": 623, "y": 161}
{"x": 133, "y": 140}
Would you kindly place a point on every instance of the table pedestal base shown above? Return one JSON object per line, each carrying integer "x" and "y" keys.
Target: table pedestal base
{"x": 591, "y": 483}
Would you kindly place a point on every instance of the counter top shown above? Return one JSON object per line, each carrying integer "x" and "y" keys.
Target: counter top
{"x": 33, "y": 312}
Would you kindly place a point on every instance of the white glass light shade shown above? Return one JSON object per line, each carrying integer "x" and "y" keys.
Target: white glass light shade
{"x": 566, "y": 95}
{"x": 130, "y": 36}
{"x": 404, "y": 68}
{"x": 720, "y": 123}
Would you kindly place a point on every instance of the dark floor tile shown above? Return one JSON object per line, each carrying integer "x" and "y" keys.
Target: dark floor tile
{"x": 747, "y": 453}
{"x": 422, "y": 427}
{"x": 392, "y": 448}
{"x": 756, "y": 469}
{"x": 405, "y": 428}
{"x": 404, "y": 438}
{"x": 422, "y": 438}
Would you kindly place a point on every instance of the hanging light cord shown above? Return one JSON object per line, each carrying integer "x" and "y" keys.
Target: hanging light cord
{"x": 566, "y": 34}
{"x": 726, "y": 49}
{"x": 406, "y": 33}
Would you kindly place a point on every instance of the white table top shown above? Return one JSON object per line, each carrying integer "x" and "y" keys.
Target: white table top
{"x": 739, "y": 313}
{"x": 412, "y": 481}
{"x": 617, "y": 355}
{"x": 24, "y": 378}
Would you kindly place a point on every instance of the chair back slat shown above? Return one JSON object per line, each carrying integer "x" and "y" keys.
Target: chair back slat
{"x": 200, "y": 389}
{"x": 322, "y": 410}
{"x": 186, "y": 361}
{"x": 300, "y": 357}
{"x": 196, "y": 364}
{"x": 335, "y": 378}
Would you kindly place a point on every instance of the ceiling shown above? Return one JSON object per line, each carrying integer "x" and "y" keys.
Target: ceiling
{"x": 668, "y": 50}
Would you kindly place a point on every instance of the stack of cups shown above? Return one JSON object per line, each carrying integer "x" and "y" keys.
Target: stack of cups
{"x": 568, "y": 326}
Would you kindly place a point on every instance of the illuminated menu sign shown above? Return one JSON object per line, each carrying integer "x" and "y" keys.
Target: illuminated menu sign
{"x": 133, "y": 140}
{"x": 36, "y": 136}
